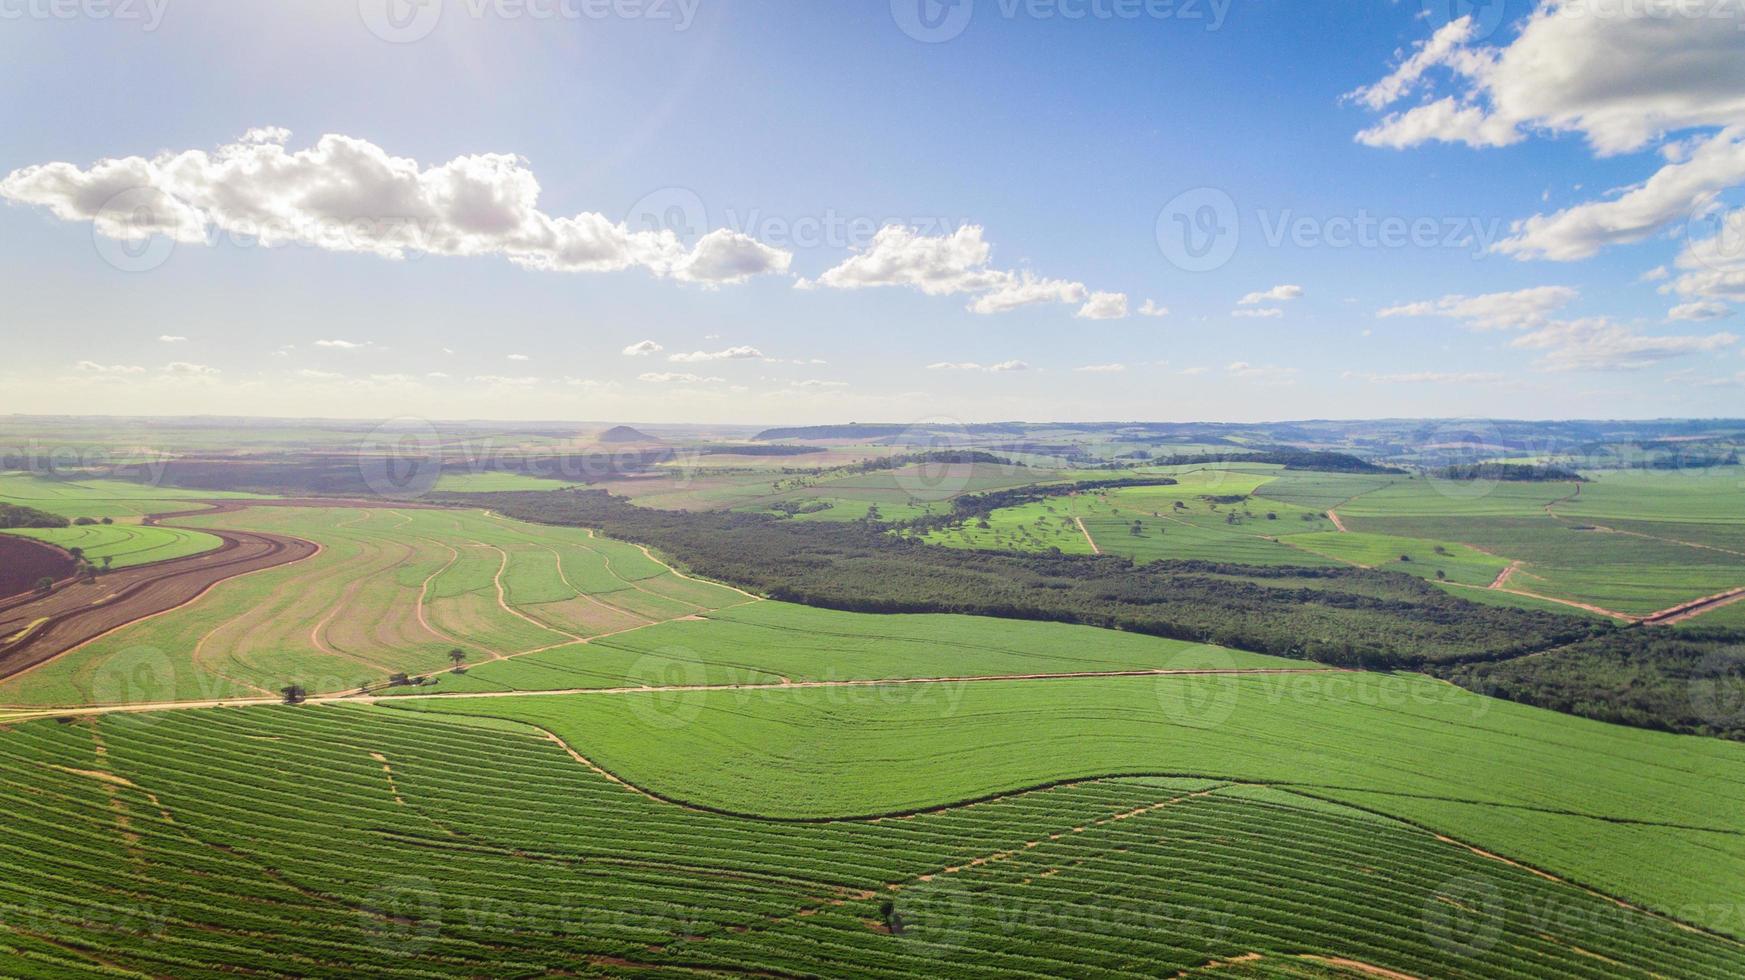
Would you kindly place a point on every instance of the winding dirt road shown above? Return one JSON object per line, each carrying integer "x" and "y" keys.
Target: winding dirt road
{"x": 37, "y": 628}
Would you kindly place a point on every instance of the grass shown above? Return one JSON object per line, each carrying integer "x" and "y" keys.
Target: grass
{"x": 773, "y": 642}
{"x": 1655, "y": 818}
{"x": 492, "y": 482}
{"x": 1456, "y": 562}
{"x": 391, "y": 591}
{"x": 124, "y": 544}
{"x": 314, "y": 841}
{"x": 98, "y": 498}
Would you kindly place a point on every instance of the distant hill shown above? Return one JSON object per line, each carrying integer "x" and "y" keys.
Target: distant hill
{"x": 624, "y": 433}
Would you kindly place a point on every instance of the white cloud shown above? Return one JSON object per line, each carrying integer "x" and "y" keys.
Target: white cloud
{"x": 1621, "y": 77}
{"x": 1599, "y": 344}
{"x": 1026, "y": 289}
{"x": 499, "y": 380}
{"x": 349, "y": 195}
{"x": 1670, "y": 195}
{"x": 187, "y": 370}
{"x": 1277, "y": 294}
{"x": 92, "y": 367}
{"x": 1150, "y": 308}
{"x": 1700, "y": 310}
{"x": 730, "y": 354}
{"x": 1003, "y": 367}
{"x": 643, "y": 348}
{"x": 1519, "y": 309}
{"x": 172, "y": 339}
{"x": 947, "y": 265}
{"x": 1430, "y": 377}
{"x": 815, "y": 383}
{"x": 342, "y": 344}
{"x": 1102, "y": 368}
{"x": 1193, "y": 372}
{"x": 517, "y": 357}
{"x": 437, "y": 376}
{"x": 1104, "y": 306}
{"x": 676, "y": 377}
{"x": 1713, "y": 267}
{"x": 1264, "y": 313}
{"x": 1263, "y": 373}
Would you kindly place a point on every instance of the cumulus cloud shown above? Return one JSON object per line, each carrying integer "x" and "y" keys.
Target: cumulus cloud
{"x": 1671, "y": 195}
{"x": 172, "y": 339}
{"x": 730, "y": 354}
{"x": 184, "y": 369}
{"x": 347, "y": 194}
{"x": 1429, "y": 377}
{"x": 1264, "y": 313}
{"x": 1263, "y": 373}
{"x": 1700, "y": 310}
{"x": 954, "y": 264}
{"x": 643, "y": 348}
{"x": 1623, "y": 77}
{"x": 113, "y": 370}
{"x": 1002, "y": 367}
{"x": 1713, "y": 267}
{"x": 1684, "y": 65}
{"x": 676, "y": 377}
{"x": 1277, "y": 294}
{"x": 1150, "y": 308}
{"x": 1516, "y": 310}
{"x": 517, "y": 357}
{"x": 1104, "y": 306}
{"x": 342, "y": 344}
{"x": 1599, "y": 344}
{"x": 504, "y": 381}
{"x": 1102, "y": 368}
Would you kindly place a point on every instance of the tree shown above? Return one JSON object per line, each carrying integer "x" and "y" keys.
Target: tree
{"x": 457, "y": 656}
{"x": 76, "y": 552}
{"x": 106, "y": 560}
{"x": 45, "y": 585}
{"x": 293, "y": 693}
{"x": 108, "y": 520}
{"x": 84, "y": 521}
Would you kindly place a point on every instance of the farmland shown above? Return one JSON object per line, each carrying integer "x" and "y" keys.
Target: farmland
{"x": 390, "y": 591}
{"x": 817, "y": 724}
{"x": 309, "y": 840}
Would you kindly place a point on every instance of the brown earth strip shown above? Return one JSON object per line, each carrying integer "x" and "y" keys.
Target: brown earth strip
{"x": 1696, "y": 607}
{"x": 77, "y": 613}
{"x": 1087, "y": 533}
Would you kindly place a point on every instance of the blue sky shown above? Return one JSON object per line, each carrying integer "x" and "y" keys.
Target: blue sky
{"x": 797, "y": 130}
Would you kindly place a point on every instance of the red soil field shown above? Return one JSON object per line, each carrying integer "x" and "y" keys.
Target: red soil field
{"x": 24, "y": 561}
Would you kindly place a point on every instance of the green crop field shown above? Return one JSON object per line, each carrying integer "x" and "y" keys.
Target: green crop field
{"x": 1655, "y": 818}
{"x": 777, "y": 642}
{"x": 391, "y": 591}
{"x": 312, "y": 840}
{"x": 124, "y": 544}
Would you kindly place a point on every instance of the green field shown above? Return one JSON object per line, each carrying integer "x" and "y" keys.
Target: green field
{"x": 124, "y": 544}
{"x": 391, "y": 591}
{"x": 312, "y": 840}
{"x": 777, "y": 642}
{"x": 1658, "y": 819}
